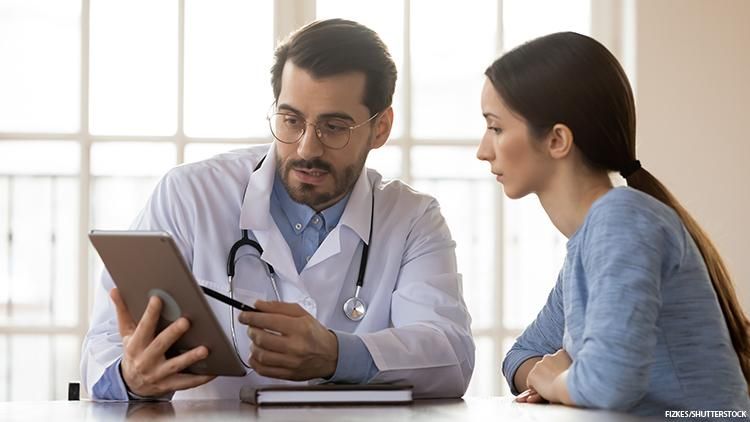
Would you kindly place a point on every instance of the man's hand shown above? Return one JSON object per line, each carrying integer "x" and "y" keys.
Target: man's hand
{"x": 298, "y": 348}
{"x": 145, "y": 370}
{"x": 548, "y": 377}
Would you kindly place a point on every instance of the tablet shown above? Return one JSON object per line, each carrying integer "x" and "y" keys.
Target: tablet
{"x": 146, "y": 263}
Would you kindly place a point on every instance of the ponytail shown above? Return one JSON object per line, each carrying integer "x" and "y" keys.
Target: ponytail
{"x": 737, "y": 322}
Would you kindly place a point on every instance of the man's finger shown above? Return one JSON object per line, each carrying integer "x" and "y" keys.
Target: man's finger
{"x": 268, "y": 358}
{"x": 275, "y": 322}
{"x": 179, "y": 363}
{"x": 125, "y": 322}
{"x": 167, "y": 337}
{"x": 269, "y": 341}
{"x": 184, "y": 381}
{"x": 284, "y": 308}
{"x": 146, "y": 328}
{"x": 271, "y": 371}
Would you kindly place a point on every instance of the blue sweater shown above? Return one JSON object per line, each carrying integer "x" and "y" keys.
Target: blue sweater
{"x": 635, "y": 310}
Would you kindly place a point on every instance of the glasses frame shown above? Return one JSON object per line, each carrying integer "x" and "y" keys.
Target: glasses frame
{"x": 318, "y": 132}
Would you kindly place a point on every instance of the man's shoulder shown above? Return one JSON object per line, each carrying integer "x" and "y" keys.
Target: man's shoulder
{"x": 226, "y": 166}
{"x": 398, "y": 194}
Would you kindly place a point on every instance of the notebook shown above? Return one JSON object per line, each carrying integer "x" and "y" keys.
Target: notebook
{"x": 327, "y": 394}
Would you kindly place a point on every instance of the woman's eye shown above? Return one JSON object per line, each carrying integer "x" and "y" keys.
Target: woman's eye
{"x": 497, "y": 130}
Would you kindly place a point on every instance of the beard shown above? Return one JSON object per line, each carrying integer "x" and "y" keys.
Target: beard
{"x": 304, "y": 193}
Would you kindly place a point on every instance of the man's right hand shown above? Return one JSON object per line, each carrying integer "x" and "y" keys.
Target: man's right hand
{"x": 145, "y": 369}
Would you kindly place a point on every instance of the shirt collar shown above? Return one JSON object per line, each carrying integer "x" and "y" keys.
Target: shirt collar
{"x": 256, "y": 215}
{"x": 302, "y": 213}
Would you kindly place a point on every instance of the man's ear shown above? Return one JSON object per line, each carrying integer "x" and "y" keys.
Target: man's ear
{"x": 559, "y": 141}
{"x": 382, "y": 128}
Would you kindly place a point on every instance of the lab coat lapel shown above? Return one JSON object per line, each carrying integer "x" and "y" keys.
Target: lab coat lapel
{"x": 256, "y": 217}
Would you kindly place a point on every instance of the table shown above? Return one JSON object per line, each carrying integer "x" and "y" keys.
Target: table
{"x": 467, "y": 409}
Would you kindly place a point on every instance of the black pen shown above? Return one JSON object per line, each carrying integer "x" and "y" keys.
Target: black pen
{"x": 229, "y": 301}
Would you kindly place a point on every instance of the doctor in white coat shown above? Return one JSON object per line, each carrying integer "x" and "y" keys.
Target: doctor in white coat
{"x": 312, "y": 205}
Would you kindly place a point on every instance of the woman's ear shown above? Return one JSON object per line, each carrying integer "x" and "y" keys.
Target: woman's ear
{"x": 382, "y": 128}
{"x": 560, "y": 141}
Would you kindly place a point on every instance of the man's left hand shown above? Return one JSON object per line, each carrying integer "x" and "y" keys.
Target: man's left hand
{"x": 288, "y": 343}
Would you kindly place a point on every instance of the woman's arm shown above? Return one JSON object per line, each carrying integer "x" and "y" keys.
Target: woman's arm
{"x": 541, "y": 337}
{"x": 522, "y": 373}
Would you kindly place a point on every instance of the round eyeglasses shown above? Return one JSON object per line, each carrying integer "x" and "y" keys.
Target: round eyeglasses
{"x": 334, "y": 132}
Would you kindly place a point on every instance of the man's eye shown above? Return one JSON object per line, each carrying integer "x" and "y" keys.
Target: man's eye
{"x": 497, "y": 130}
{"x": 291, "y": 120}
{"x": 335, "y": 126}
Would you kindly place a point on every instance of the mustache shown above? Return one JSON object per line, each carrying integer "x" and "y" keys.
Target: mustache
{"x": 316, "y": 163}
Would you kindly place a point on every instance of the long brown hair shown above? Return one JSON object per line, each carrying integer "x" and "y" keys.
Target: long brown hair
{"x": 572, "y": 79}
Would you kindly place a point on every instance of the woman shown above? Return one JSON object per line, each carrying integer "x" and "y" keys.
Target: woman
{"x": 643, "y": 317}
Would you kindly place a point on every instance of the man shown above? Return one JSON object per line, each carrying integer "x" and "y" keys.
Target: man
{"x": 313, "y": 207}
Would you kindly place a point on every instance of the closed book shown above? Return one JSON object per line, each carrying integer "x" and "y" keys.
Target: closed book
{"x": 327, "y": 394}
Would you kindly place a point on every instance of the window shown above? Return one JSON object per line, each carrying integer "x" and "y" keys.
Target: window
{"x": 115, "y": 93}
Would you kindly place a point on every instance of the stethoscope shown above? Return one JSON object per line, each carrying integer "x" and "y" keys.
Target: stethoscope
{"x": 354, "y": 308}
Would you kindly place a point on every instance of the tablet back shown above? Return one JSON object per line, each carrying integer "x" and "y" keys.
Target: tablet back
{"x": 143, "y": 264}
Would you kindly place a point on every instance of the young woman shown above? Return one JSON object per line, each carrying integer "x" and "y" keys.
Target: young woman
{"x": 643, "y": 317}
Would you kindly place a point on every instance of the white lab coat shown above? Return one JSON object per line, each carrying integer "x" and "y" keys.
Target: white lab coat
{"x": 417, "y": 327}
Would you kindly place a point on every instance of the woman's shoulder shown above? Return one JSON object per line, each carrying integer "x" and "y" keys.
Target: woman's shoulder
{"x": 631, "y": 204}
{"x": 631, "y": 212}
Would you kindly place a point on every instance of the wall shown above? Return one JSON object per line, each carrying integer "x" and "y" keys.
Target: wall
{"x": 692, "y": 66}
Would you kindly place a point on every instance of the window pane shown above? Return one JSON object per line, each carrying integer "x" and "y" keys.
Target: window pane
{"x": 486, "y": 369}
{"x": 39, "y": 76}
{"x": 39, "y": 158}
{"x": 29, "y": 377}
{"x": 386, "y": 160}
{"x": 38, "y": 243}
{"x": 132, "y": 158}
{"x": 37, "y": 367}
{"x": 452, "y": 44}
{"x": 123, "y": 177}
{"x": 524, "y": 20}
{"x": 467, "y": 201}
{"x": 133, "y": 67}
{"x": 228, "y": 56}
{"x": 534, "y": 254}
{"x": 66, "y": 358}
{"x": 385, "y": 18}
{"x": 202, "y": 151}
{"x": 4, "y": 372}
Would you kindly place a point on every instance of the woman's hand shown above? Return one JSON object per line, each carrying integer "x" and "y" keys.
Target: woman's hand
{"x": 530, "y": 396}
{"x": 547, "y": 378}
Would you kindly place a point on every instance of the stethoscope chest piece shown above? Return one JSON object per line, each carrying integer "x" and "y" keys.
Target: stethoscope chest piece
{"x": 355, "y": 308}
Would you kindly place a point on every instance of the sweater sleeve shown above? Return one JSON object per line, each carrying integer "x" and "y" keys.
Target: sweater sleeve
{"x": 541, "y": 337}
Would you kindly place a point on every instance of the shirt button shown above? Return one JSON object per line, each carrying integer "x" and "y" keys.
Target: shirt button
{"x": 308, "y": 303}
{"x": 298, "y": 226}
{"x": 307, "y": 258}
{"x": 316, "y": 220}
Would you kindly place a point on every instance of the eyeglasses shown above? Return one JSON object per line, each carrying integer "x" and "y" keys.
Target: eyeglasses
{"x": 334, "y": 133}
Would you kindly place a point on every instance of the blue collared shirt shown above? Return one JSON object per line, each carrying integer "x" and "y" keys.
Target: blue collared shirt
{"x": 304, "y": 230}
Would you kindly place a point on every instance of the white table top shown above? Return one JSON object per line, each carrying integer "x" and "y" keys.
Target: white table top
{"x": 467, "y": 409}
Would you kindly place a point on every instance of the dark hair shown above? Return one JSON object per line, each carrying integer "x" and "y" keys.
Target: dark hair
{"x": 335, "y": 46}
{"x": 572, "y": 79}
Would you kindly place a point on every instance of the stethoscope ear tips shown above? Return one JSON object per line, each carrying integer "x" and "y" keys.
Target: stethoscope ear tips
{"x": 355, "y": 308}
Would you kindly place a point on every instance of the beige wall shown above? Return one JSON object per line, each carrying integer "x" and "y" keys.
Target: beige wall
{"x": 692, "y": 69}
